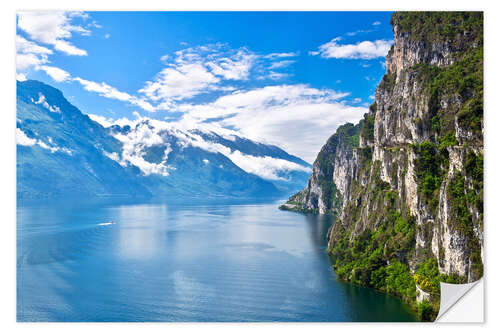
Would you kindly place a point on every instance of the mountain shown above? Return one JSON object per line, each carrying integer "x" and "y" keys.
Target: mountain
{"x": 61, "y": 152}
{"x": 407, "y": 181}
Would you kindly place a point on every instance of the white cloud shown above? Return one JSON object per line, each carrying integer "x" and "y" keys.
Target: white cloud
{"x": 296, "y": 117}
{"x": 134, "y": 143}
{"x": 281, "y": 64}
{"x": 103, "y": 121}
{"x": 180, "y": 82}
{"x": 360, "y": 50}
{"x": 52, "y": 28}
{"x": 55, "y": 73}
{"x": 25, "y": 46}
{"x": 21, "y": 77}
{"x": 275, "y": 62}
{"x": 94, "y": 24}
{"x": 309, "y": 116}
{"x": 197, "y": 70}
{"x": 105, "y": 90}
{"x": 124, "y": 122}
{"x": 26, "y": 61}
{"x": 202, "y": 69}
{"x": 45, "y": 104}
{"x": 267, "y": 97}
{"x": 68, "y": 48}
{"x": 236, "y": 67}
{"x": 275, "y": 76}
{"x": 266, "y": 167}
{"x": 376, "y": 23}
{"x": 147, "y": 132}
{"x": 80, "y": 14}
{"x": 29, "y": 54}
{"x": 354, "y": 33}
{"x": 23, "y": 140}
{"x": 281, "y": 55}
{"x": 263, "y": 166}
{"x": 115, "y": 157}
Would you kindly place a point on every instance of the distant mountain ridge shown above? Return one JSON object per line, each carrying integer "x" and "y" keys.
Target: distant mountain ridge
{"x": 61, "y": 152}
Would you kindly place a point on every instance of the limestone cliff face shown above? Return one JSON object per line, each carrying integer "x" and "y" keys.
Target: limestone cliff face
{"x": 322, "y": 195}
{"x": 412, "y": 188}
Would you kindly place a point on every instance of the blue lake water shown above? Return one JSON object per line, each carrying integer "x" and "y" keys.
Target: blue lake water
{"x": 161, "y": 262}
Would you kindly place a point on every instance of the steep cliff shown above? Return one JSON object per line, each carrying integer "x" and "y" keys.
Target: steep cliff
{"x": 322, "y": 195}
{"x": 410, "y": 196}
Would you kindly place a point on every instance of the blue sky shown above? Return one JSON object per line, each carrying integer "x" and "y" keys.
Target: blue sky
{"x": 288, "y": 78}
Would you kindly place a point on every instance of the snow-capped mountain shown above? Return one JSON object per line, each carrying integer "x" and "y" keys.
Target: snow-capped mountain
{"x": 63, "y": 152}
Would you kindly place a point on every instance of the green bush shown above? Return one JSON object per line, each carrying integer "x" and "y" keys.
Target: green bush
{"x": 378, "y": 277}
{"x": 388, "y": 81}
{"x": 430, "y": 166}
{"x": 430, "y": 270}
{"x": 465, "y": 79}
{"x": 471, "y": 115}
{"x": 426, "y": 311}
{"x": 367, "y": 130}
{"x": 461, "y": 197}
{"x": 399, "y": 281}
{"x": 440, "y": 26}
{"x": 331, "y": 196}
{"x": 448, "y": 140}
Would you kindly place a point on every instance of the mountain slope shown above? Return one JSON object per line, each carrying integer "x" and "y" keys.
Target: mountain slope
{"x": 410, "y": 196}
{"x": 62, "y": 152}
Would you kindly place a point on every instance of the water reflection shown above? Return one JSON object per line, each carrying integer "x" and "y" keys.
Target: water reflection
{"x": 163, "y": 262}
{"x": 140, "y": 235}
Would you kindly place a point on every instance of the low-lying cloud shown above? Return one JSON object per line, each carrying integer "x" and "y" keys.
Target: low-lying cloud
{"x": 23, "y": 140}
{"x": 360, "y": 50}
{"x": 297, "y": 118}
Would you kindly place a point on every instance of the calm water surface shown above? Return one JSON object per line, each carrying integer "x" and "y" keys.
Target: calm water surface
{"x": 162, "y": 262}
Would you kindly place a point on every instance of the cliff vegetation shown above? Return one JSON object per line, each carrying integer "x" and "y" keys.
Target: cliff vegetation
{"x": 406, "y": 182}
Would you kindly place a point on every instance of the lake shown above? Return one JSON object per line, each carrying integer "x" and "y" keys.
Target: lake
{"x": 107, "y": 261}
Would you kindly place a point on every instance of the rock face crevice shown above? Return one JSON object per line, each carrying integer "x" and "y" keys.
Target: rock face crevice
{"x": 414, "y": 181}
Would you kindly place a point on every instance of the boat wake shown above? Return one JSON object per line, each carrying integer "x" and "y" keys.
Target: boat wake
{"x": 107, "y": 223}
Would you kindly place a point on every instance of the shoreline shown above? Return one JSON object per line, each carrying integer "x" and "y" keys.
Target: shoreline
{"x": 412, "y": 305}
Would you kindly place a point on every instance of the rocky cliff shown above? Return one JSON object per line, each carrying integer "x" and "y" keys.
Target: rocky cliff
{"x": 407, "y": 181}
{"x": 328, "y": 186}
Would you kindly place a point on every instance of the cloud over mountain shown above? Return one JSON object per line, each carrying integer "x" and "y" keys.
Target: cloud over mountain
{"x": 144, "y": 156}
{"x": 296, "y": 117}
{"x": 252, "y": 91}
